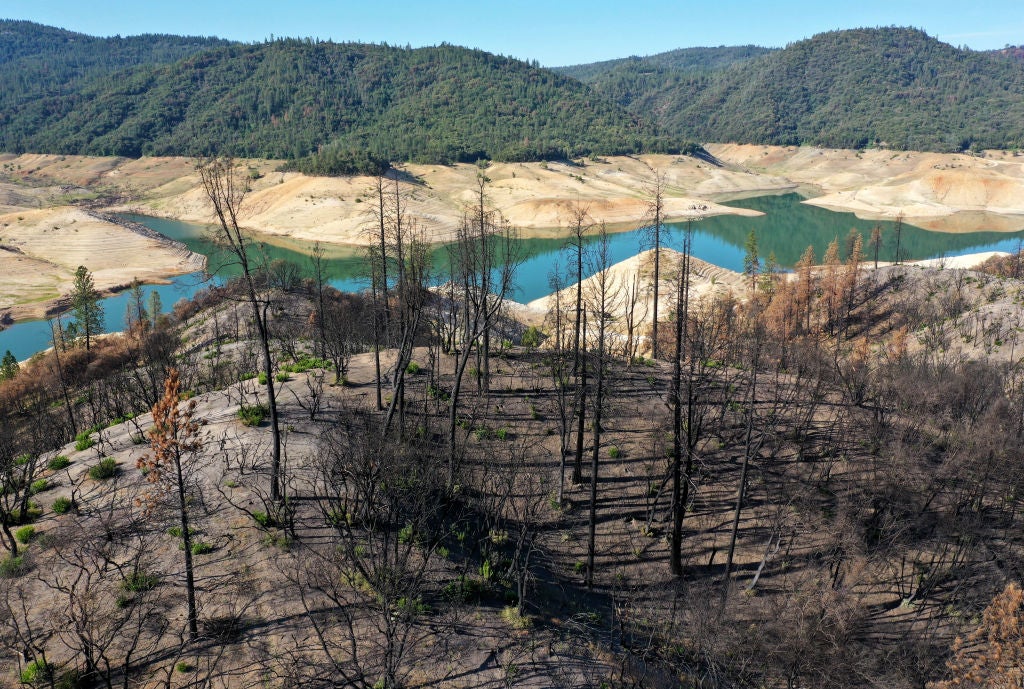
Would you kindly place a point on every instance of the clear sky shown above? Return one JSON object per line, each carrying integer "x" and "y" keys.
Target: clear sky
{"x": 554, "y": 32}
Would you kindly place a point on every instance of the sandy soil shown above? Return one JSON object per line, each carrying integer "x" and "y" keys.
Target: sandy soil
{"x": 534, "y": 197}
{"x": 630, "y": 286}
{"x": 936, "y": 191}
{"x": 945, "y": 192}
{"x": 965, "y": 262}
{"x": 40, "y": 250}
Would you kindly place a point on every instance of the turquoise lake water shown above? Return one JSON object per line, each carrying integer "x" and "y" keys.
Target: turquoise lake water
{"x": 786, "y": 229}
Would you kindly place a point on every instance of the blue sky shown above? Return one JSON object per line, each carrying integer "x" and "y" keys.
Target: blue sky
{"x": 553, "y": 32}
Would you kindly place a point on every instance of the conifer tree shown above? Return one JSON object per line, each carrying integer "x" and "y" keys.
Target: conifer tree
{"x": 751, "y": 260}
{"x": 155, "y": 307}
{"x": 86, "y": 307}
{"x": 135, "y": 316}
{"x": 8, "y": 366}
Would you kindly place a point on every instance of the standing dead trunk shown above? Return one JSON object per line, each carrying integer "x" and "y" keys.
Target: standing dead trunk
{"x": 226, "y": 192}
{"x": 682, "y": 318}
{"x": 581, "y": 403}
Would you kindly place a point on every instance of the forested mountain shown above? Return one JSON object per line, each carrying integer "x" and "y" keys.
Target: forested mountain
{"x": 851, "y": 88}
{"x": 42, "y": 61}
{"x": 684, "y": 59}
{"x": 292, "y": 98}
{"x": 335, "y": 108}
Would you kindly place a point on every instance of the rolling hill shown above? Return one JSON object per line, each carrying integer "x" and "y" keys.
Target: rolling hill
{"x": 38, "y": 61}
{"x": 333, "y": 108}
{"x": 843, "y": 89}
{"x": 348, "y": 103}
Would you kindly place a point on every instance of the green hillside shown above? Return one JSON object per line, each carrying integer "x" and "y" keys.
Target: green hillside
{"x": 39, "y": 61}
{"x": 344, "y": 102}
{"x": 683, "y": 59}
{"x": 892, "y": 86}
{"x": 336, "y": 108}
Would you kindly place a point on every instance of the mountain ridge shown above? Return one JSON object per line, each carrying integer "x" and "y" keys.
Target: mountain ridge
{"x": 338, "y": 108}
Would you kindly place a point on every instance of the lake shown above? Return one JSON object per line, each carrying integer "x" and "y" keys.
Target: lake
{"x": 787, "y": 229}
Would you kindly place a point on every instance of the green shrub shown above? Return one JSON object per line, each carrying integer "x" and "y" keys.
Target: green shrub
{"x": 464, "y": 589}
{"x": 201, "y": 548}
{"x": 247, "y": 376}
{"x": 531, "y": 337}
{"x": 175, "y": 531}
{"x": 22, "y": 460}
{"x": 263, "y": 519}
{"x": 137, "y": 582}
{"x": 614, "y": 452}
{"x": 338, "y": 518}
{"x": 438, "y": 392}
{"x": 515, "y": 619}
{"x": 62, "y": 505}
{"x": 57, "y": 463}
{"x": 106, "y": 468}
{"x": 280, "y": 541}
{"x": 120, "y": 420}
{"x": 412, "y": 606}
{"x": 39, "y": 486}
{"x": 184, "y": 667}
{"x": 33, "y": 513}
{"x": 25, "y": 534}
{"x": 305, "y": 363}
{"x": 282, "y": 377}
{"x": 37, "y": 672}
{"x": 262, "y": 377}
{"x": 83, "y": 441}
{"x": 405, "y": 534}
{"x": 502, "y": 434}
{"x": 70, "y": 679}
{"x": 486, "y": 570}
{"x": 11, "y": 567}
{"x": 413, "y": 368}
{"x": 253, "y": 414}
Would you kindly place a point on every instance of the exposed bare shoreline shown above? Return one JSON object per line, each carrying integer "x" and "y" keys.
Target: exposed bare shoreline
{"x": 42, "y": 238}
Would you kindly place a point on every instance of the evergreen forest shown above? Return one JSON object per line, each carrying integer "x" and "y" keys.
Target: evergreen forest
{"x": 336, "y": 108}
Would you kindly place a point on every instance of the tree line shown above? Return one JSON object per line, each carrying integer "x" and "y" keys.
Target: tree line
{"x": 327, "y": 107}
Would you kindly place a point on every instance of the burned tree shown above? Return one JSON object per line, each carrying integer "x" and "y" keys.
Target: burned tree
{"x": 174, "y": 441}
{"x": 226, "y": 190}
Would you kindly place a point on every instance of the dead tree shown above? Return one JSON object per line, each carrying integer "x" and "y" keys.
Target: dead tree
{"x": 226, "y": 192}
{"x": 653, "y": 226}
{"x": 483, "y": 264}
{"x": 682, "y": 321}
{"x": 602, "y": 304}
{"x": 363, "y": 587}
{"x": 560, "y": 363}
{"x": 174, "y": 441}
